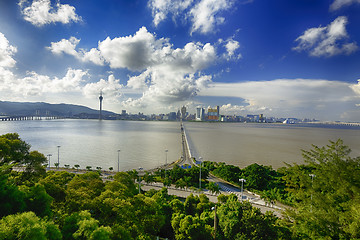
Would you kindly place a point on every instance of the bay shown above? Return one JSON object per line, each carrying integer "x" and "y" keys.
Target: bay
{"x": 242, "y": 144}
{"x": 143, "y": 144}
{"x": 95, "y": 143}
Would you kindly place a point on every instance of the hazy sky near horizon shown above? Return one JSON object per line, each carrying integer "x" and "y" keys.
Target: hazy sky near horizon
{"x": 298, "y": 58}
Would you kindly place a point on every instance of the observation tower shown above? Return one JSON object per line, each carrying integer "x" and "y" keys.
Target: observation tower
{"x": 101, "y": 99}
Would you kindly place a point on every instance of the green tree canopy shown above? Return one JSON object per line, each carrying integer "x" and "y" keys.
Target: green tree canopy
{"x": 327, "y": 192}
{"x": 27, "y": 226}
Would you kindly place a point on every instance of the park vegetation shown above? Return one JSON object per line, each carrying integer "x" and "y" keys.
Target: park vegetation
{"x": 324, "y": 194}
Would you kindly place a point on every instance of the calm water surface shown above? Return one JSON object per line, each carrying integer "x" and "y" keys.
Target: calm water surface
{"x": 142, "y": 144}
{"x": 242, "y": 144}
{"x": 95, "y": 143}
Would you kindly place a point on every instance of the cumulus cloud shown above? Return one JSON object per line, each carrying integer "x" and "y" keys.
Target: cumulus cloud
{"x": 231, "y": 47}
{"x": 68, "y": 46}
{"x": 40, "y": 12}
{"x": 65, "y": 46}
{"x": 133, "y": 52}
{"x": 166, "y": 74}
{"x": 291, "y": 97}
{"x": 6, "y": 52}
{"x": 204, "y": 15}
{"x": 110, "y": 88}
{"x": 356, "y": 88}
{"x": 34, "y": 84}
{"x": 327, "y": 41}
{"x": 162, "y": 8}
{"x": 337, "y": 4}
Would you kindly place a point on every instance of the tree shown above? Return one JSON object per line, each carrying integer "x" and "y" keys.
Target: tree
{"x": 190, "y": 227}
{"x": 55, "y": 184}
{"x": 88, "y": 168}
{"x": 259, "y": 177}
{"x": 12, "y": 149}
{"x": 77, "y": 167}
{"x": 111, "y": 168}
{"x": 148, "y": 177}
{"x": 176, "y": 173}
{"x": 167, "y": 182}
{"x": 82, "y": 226}
{"x": 82, "y": 190}
{"x": 326, "y": 202}
{"x": 11, "y": 198}
{"x": 28, "y": 226}
{"x": 239, "y": 220}
{"x": 213, "y": 188}
{"x": 37, "y": 200}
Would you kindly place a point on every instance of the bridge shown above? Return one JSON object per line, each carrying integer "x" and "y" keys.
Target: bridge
{"x": 26, "y": 118}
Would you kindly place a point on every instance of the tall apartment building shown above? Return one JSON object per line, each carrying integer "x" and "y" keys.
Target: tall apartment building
{"x": 200, "y": 114}
{"x": 183, "y": 112}
{"x": 214, "y": 114}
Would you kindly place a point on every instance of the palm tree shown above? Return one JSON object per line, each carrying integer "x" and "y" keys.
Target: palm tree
{"x": 77, "y": 166}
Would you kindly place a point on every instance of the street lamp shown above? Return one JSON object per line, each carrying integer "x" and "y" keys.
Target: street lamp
{"x": 200, "y": 158}
{"x": 214, "y": 209}
{"x": 118, "y": 160}
{"x": 140, "y": 168}
{"x": 166, "y": 151}
{"x": 242, "y": 187}
{"x": 49, "y": 155}
{"x": 58, "y": 156}
{"x": 312, "y": 180}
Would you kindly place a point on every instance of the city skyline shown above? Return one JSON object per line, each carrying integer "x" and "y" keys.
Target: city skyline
{"x": 283, "y": 58}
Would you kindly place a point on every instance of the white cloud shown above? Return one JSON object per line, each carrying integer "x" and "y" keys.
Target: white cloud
{"x": 162, "y": 8}
{"x": 110, "y": 88}
{"x": 40, "y": 12}
{"x": 35, "y": 84}
{"x": 337, "y": 4}
{"x": 166, "y": 74}
{"x": 65, "y": 46}
{"x": 291, "y": 97}
{"x": 356, "y": 88}
{"x": 231, "y": 46}
{"x": 132, "y": 52}
{"x": 327, "y": 41}
{"x": 6, "y": 52}
{"x": 69, "y": 47}
{"x": 205, "y": 15}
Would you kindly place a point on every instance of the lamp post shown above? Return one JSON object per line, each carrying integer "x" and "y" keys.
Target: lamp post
{"x": 49, "y": 155}
{"x": 242, "y": 187}
{"x": 311, "y": 196}
{"x": 58, "y": 156}
{"x": 214, "y": 208}
{"x": 118, "y": 160}
{"x": 140, "y": 168}
{"x": 166, "y": 151}
{"x": 200, "y": 158}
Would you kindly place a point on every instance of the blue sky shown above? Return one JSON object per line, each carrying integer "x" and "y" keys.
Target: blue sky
{"x": 298, "y": 58}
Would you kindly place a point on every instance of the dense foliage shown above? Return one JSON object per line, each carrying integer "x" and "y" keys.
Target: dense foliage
{"x": 35, "y": 204}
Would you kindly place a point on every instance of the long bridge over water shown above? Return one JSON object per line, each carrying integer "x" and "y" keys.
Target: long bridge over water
{"x": 27, "y": 118}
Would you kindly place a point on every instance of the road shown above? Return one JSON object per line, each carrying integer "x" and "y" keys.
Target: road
{"x": 212, "y": 197}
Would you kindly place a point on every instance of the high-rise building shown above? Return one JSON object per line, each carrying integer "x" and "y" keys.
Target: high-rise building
{"x": 214, "y": 114}
{"x": 183, "y": 112}
{"x": 200, "y": 114}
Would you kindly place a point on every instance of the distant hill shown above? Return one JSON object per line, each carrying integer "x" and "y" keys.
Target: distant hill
{"x": 44, "y": 109}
